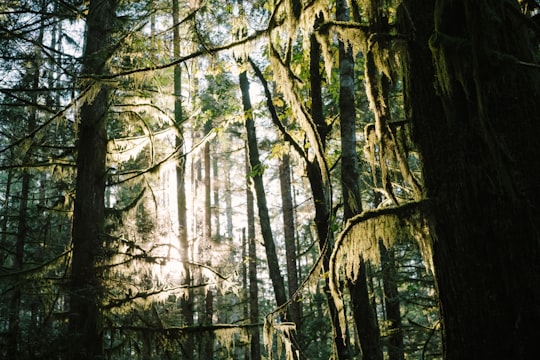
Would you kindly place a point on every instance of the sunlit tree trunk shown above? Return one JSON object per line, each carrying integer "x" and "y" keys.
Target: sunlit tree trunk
{"x": 186, "y": 301}
{"x": 255, "y": 346}
{"x": 478, "y": 136}
{"x": 88, "y": 236}
{"x": 321, "y": 196}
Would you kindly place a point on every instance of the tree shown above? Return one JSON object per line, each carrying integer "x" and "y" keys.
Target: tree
{"x": 89, "y": 208}
{"x": 256, "y": 172}
{"x": 365, "y": 319}
{"x": 186, "y": 301}
{"x": 290, "y": 239}
{"x": 479, "y": 146}
{"x": 255, "y": 342}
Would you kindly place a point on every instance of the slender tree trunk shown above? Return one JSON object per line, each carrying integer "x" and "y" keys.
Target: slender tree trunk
{"x": 478, "y": 136}
{"x": 252, "y": 267}
{"x": 228, "y": 201}
{"x": 256, "y": 174}
{"x": 245, "y": 285}
{"x": 89, "y": 208}
{"x": 215, "y": 190}
{"x": 207, "y": 346}
{"x": 290, "y": 241}
{"x": 14, "y": 351}
{"x": 391, "y": 299}
{"x": 186, "y": 301}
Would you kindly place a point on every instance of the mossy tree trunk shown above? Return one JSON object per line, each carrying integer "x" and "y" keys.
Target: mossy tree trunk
{"x": 321, "y": 193}
{"x": 364, "y": 317}
{"x": 478, "y": 135}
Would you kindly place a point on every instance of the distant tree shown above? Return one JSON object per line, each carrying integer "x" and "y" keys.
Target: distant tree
{"x": 290, "y": 238}
{"x": 186, "y": 300}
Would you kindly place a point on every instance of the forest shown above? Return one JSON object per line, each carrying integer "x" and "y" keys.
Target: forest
{"x": 283, "y": 179}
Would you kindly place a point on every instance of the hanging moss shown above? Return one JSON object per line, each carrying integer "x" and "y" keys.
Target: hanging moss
{"x": 359, "y": 241}
{"x": 283, "y": 334}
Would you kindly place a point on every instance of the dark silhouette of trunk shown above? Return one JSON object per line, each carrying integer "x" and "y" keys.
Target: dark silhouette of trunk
{"x": 290, "y": 239}
{"x": 255, "y": 348}
{"x": 88, "y": 238}
{"x": 186, "y": 301}
{"x": 364, "y": 317}
{"x": 228, "y": 200}
{"x": 207, "y": 345}
{"x": 392, "y": 303}
{"x": 245, "y": 285}
{"x": 256, "y": 173}
{"x": 13, "y": 348}
{"x": 477, "y": 132}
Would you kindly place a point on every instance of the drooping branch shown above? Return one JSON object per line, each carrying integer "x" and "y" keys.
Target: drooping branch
{"x": 207, "y": 51}
{"x": 360, "y": 238}
{"x": 273, "y": 112}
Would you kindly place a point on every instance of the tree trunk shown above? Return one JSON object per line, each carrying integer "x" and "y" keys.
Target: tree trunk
{"x": 88, "y": 236}
{"x": 207, "y": 346}
{"x": 256, "y": 173}
{"x": 392, "y": 303}
{"x": 186, "y": 301}
{"x": 366, "y": 325}
{"x": 478, "y": 136}
{"x": 321, "y": 196}
{"x": 252, "y": 268}
{"x": 290, "y": 241}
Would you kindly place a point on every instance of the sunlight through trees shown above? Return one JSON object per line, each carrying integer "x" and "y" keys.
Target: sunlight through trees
{"x": 215, "y": 179}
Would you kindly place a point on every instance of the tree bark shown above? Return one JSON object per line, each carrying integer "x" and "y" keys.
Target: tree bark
{"x": 478, "y": 135}
{"x": 88, "y": 236}
{"x": 255, "y": 348}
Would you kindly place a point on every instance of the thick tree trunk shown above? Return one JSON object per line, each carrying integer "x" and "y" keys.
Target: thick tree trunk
{"x": 89, "y": 208}
{"x": 478, "y": 135}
